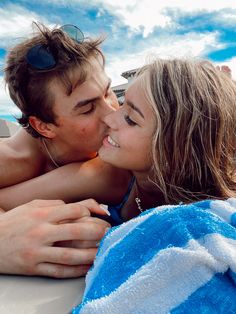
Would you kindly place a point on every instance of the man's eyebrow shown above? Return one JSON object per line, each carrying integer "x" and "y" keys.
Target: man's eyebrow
{"x": 130, "y": 104}
{"x": 87, "y": 101}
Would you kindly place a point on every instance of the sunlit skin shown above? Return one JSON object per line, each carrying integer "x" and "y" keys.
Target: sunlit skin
{"x": 79, "y": 128}
{"x": 76, "y": 134}
{"x": 128, "y": 145}
{"x": 131, "y": 127}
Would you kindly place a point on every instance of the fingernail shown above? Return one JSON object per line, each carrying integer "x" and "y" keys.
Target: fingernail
{"x": 105, "y": 209}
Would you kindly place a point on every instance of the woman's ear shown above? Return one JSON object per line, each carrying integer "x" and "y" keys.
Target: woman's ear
{"x": 43, "y": 128}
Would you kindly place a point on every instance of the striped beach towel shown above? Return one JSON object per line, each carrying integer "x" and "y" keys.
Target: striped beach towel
{"x": 171, "y": 259}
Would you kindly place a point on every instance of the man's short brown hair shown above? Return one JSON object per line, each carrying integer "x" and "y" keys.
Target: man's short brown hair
{"x": 29, "y": 87}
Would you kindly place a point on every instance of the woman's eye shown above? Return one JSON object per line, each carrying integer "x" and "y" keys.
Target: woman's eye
{"x": 129, "y": 121}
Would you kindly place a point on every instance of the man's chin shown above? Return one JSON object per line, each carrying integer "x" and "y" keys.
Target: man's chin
{"x": 91, "y": 155}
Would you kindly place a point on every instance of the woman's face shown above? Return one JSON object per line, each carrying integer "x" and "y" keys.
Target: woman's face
{"x": 131, "y": 128}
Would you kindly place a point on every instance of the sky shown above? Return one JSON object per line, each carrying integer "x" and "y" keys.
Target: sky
{"x": 135, "y": 30}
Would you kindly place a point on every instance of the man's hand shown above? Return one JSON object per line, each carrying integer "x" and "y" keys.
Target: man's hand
{"x": 28, "y": 234}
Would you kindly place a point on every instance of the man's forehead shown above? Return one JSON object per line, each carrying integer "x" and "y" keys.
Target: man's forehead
{"x": 96, "y": 79}
{"x": 91, "y": 76}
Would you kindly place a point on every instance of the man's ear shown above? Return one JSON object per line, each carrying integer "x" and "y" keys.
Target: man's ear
{"x": 43, "y": 128}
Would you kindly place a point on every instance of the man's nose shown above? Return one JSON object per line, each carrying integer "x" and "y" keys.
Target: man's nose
{"x": 109, "y": 119}
{"x": 109, "y": 105}
{"x": 112, "y": 100}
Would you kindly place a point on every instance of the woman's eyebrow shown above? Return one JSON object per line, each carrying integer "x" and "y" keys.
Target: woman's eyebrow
{"x": 130, "y": 104}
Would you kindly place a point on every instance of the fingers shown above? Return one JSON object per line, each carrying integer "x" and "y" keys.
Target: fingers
{"x": 57, "y": 211}
{"x": 94, "y": 207}
{"x": 99, "y": 221}
{"x": 76, "y": 210}
{"x": 77, "y": 231}
{"x": 67, "y": 212}
{"x": 66, "y": 262}
{"x": 69, "y": 256}
{"x": 78, "y": 244}
{"x": 61, "y": 271}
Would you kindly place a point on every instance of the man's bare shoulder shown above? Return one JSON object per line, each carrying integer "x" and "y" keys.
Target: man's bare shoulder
{"x": 15, "y": 147}
{"x": 17, "y": 159}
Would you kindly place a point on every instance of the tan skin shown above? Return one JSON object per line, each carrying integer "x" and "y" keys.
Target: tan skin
{"x": 23, "y": 157}
{"x": 31, "y": 229}
{"x": 134, "y": 120}
{"x": 128, "y": 144}
{"x": 70, "y": 183}
{"x": 28, "y": 248}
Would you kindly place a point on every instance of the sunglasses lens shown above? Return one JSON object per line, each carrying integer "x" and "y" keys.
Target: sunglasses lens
{"x": 73, "y": 31}
{"x": 40, "y": 58}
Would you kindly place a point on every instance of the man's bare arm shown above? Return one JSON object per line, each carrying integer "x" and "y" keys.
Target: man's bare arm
{"x": 72, "y": 182}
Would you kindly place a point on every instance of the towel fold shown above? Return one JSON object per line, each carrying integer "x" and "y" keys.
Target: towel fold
{"x": 170, "y": 259}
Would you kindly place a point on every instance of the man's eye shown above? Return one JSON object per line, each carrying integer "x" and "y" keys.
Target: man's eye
{"x": 129, "y": 121}
{"x": 88, "y": 109}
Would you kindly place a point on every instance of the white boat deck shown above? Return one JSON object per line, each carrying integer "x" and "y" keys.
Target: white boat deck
{"x": 36, "y": 295}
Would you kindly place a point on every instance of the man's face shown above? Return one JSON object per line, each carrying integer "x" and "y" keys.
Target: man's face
{"x": 79, "y": 128}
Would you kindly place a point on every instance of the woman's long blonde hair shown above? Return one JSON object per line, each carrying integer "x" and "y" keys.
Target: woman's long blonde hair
{"x": 194, "y": 145}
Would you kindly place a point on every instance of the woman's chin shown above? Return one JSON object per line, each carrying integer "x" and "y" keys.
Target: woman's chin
{"x": 102, "y": 153}
{"x": 106, "y": 156}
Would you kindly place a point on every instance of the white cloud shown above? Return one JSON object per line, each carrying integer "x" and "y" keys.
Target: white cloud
{"x": 15, "y": 23}
{"x": 190, "y": 45}
{"x": 147, "y": 14}
{"x": 141, "y": 15}
{"x": 227, "y": 18}
{"x": 6, "y": 104}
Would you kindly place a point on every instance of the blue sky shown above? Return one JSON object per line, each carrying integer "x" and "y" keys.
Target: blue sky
{"x": 136, "y": 30}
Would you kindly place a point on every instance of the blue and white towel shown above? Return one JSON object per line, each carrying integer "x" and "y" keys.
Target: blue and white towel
{"x": 171, "y": 259}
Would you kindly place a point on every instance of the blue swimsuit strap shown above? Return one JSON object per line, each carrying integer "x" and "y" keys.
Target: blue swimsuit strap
{"x": 115, "y": 209}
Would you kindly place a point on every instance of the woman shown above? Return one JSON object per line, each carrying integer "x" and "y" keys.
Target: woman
{"x": 176, "y": 131}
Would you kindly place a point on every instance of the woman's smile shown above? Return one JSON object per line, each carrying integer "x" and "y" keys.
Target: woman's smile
{"x": 109, "y": 141}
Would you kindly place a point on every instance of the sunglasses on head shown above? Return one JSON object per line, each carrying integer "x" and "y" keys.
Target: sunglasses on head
{"x": 40, "y": 57}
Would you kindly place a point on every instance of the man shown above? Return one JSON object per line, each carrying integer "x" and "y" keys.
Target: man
{"x": 60, "y": 86}
{"x": 62, "y": 103}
